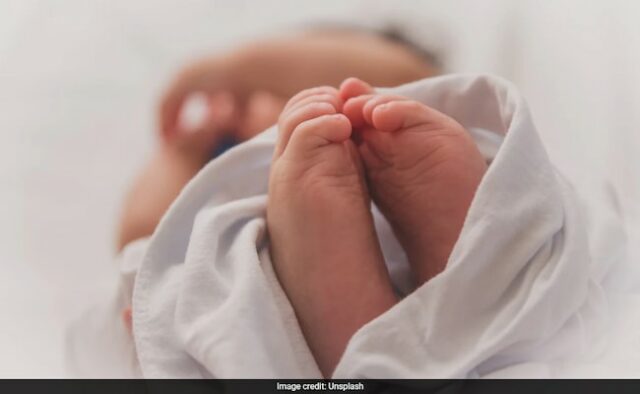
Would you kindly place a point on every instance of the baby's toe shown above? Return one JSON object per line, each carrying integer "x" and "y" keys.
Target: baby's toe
{"x": 287, "y": 124}
{"x": 353, "y": 87}
{"x": 378, "y": 101}
{"x": 305, "y": 94}
{"x": 359, "y": 109}
{"x": 396, "y": 115}
{"x": 331, "y": 99}
{"x": 352, "y": 109}
{"x": 317, "y": 132}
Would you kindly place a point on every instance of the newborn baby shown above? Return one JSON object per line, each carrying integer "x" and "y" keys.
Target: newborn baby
{"x": 271, "y": 262}
{"x": 268, "y": 261}
{"x": 336, "y": 151}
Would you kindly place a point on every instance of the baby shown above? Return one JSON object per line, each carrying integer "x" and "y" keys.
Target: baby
{"x": 269, "y": 263}
{"x": 337, "y": 150}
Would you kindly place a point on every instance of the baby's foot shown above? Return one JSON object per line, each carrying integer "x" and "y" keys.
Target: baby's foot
{"x": 423, "y": 169}
{"x": 323, "y": 243}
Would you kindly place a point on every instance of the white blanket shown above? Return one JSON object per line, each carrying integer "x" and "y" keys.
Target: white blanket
{"x": 521, "y": 293}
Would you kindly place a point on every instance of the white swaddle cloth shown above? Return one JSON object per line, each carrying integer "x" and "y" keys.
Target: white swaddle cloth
{"x": 520, "y": 292}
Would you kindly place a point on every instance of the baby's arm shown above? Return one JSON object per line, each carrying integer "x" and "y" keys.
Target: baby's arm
{"x": 286, "y": 65}
{"x": 155, "y": 189}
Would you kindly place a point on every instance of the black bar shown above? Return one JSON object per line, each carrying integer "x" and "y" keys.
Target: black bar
{"x": 284, "y": 386}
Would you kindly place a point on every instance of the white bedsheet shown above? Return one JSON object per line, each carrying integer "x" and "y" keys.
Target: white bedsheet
{"x": 74, "y": 73}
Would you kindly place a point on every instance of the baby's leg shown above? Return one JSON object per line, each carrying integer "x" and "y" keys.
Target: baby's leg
{"x": 323, "y": 243}
{"x": 423, "y": 168}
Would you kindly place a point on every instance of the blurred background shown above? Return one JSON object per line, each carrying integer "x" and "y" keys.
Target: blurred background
{"x": 80, "y": 81}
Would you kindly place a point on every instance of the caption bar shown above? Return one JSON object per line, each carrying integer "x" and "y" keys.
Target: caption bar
{"x": 320, "y": 386}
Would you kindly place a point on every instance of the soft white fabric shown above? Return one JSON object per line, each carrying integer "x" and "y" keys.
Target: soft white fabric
{"x": 521, "y": 293}
{"x": 98, "y": 343}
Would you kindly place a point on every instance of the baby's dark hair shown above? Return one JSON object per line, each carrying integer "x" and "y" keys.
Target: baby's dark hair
{"x": 391, "y": 32}
{"x": 396, "y": 34}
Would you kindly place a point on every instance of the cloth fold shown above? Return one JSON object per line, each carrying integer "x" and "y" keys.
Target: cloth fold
{"x": 520, "y": 291}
